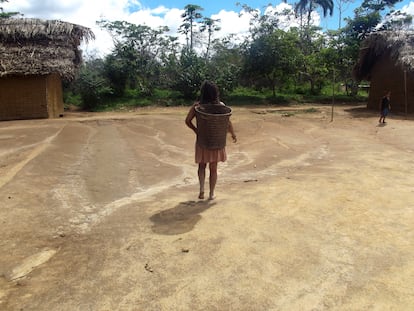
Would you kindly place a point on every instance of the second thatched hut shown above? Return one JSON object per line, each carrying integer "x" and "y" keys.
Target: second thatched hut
{"x": 35, "y": 56}
{"x": 386, "y": 59}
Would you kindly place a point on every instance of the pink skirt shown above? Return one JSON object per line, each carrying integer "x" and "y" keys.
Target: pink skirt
{"x": 203, "y": 155}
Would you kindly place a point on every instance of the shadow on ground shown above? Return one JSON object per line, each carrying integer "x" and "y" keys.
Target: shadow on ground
{"x": 179, "y": 219}
{"x": 364, "y": 112}
{"x": 361, "y": 112}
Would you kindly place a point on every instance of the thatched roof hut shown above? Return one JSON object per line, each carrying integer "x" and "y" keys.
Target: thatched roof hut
{"x": 386, "y": 59}
{"x": 38, "y": 47}
{"x": 35, "y": 55}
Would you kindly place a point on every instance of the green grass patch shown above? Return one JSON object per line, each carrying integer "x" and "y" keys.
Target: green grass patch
{"x": 132, "y": 100}
{"x": 246, "y": 96}
{"x": 238, "y": 97}
{"x": 291, "y": 112}
{"x": 310, "y": 110}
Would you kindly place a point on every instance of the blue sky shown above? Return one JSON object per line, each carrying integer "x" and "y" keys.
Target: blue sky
{"x": 210, "y": 7}
{"x": 214, "y": 7}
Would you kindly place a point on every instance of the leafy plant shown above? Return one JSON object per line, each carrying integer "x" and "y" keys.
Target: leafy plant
{"x": 92, "y": 86}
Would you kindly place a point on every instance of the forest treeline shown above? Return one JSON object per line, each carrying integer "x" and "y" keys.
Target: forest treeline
{"x": 275, "y": 59}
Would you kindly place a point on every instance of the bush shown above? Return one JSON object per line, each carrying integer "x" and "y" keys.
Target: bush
{"x": 91, "y": 86}
{"x": 93, "y": 90}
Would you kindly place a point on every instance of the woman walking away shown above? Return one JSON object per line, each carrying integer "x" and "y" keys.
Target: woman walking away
{"x": 209, "y": 95}
{"x": 385, "y": 106}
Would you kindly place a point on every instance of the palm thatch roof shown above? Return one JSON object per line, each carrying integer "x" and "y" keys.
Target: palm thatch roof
{"x": 40, "y": 47}
{"x": 397, "y": 44}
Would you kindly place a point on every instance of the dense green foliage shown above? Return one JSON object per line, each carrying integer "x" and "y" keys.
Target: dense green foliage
{"x": 275, "y": 64}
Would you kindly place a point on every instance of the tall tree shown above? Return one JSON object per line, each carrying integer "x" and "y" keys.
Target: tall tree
{"x": 185, "y": 30}
{"x": 226, "y": 63}
{"x": 342, "y": 6}
{"x": 190, "y": 16}
{"x": 314, "y": 68}
{"x": 271, "y": 20}
{"x": 367, "y": 18}
{"x": 273, "y": 58}
{"x": 209, "y": 25}
{"x": 91, "y": 84}
{"x": 191, "y": 73}
{"x": 308, "y": 6}
{"x": 392, "y": 19}
{"x": 378, "y": 5}
{"x": 136, "y": 57}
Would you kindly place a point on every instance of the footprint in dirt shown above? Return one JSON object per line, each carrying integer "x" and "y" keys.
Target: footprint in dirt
{"x": 179, "y": 219}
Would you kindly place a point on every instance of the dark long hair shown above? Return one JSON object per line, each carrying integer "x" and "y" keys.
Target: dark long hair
{"x": 209, "y": 93}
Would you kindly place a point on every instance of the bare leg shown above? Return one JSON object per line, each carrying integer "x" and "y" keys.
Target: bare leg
{"x": 201, "y": 178}
{"x": 382, "y": 118}
{"x": 213, "y": 179}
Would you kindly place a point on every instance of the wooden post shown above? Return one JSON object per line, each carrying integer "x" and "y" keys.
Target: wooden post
{"x": 405, "y": 93}
{"x": 333, "y": 95}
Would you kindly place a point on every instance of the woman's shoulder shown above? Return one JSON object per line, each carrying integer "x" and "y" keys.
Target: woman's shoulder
{"x": 194, "y": 106}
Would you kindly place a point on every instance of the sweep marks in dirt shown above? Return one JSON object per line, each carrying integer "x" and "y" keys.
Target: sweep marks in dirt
{"x": 96, "y": 184}
{"x": 101, "y": 213}
{"x": 118, "y": 166}
{"x": 30, "y": 152}
{"x": 94, "y": 167}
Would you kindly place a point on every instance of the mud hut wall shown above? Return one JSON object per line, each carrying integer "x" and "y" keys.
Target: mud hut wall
{"x": 385, "y": 75}
{"x": 54, "y": 95}
{"x": 23, "y": 97}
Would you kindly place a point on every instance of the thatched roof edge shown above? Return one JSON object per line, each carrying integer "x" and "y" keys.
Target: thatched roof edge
{"x": 398, "y": 44}
{"x": 39, "y": 47}
{"x": 33, "y": 28}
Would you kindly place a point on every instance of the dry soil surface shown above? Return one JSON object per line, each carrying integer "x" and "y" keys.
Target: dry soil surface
{"x": 100, "y": 212}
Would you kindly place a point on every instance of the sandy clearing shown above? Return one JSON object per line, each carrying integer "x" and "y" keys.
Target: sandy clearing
{"x": 310, "y": 214}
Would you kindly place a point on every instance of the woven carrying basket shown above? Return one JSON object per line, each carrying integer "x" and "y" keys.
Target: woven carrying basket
{"x": 212, "y": 123}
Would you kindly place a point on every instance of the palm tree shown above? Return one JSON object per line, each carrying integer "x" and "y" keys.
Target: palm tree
{"x": 308, "y": 6}
{"x": 185, "y": 30}
{"x": 211, "y": 26}
{"x": 190, "y": 15}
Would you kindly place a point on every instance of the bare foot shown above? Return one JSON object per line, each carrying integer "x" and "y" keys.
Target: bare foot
{"x": 201, "y": 195}
{"x": 211, "y": 197}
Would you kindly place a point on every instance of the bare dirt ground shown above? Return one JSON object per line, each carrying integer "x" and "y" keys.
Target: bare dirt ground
{"x": 99, "y": 212}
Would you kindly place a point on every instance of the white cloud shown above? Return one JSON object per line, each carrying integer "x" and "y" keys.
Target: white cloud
{"x": 87, "y": 12}
{"x": 409, "y": 9}
{"x": 289, "y": 20}
{"x": 173, "y": 19}
{"x": 232, "y": 23}
{"x": 81, "y": 12}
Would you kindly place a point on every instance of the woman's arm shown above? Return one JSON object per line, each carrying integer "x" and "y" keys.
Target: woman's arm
{"x": 231, "y": 131}
{"x": 189, "y": 119}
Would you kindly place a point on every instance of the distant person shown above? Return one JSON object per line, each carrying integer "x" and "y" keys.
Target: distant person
{"x": 385, "y": 106}
{"x": 209, "y": 95}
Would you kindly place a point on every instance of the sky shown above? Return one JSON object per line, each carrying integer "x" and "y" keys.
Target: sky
{"x": 155, "y": 13}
